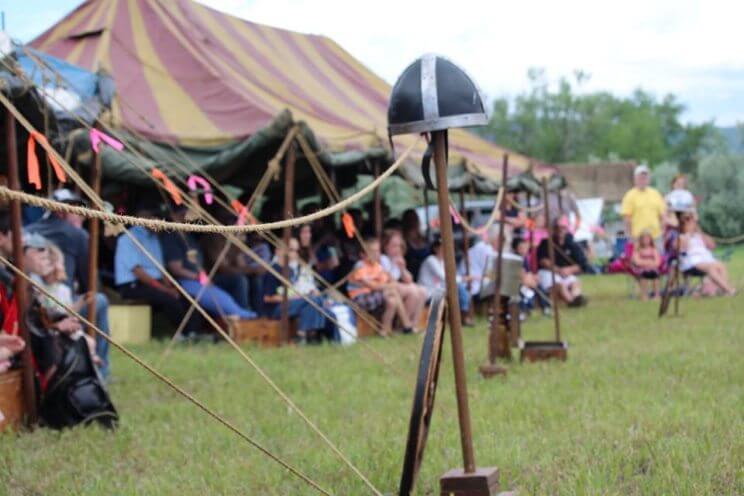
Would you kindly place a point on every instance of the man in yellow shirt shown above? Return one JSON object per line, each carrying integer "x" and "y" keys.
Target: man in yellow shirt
{"x": 643, "y": 207}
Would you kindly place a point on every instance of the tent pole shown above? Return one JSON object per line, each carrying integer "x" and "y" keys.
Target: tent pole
{"x": 289, "y": 178}
{"x": 453, "y": 310}
{"x": 94, "y": 227}
{"x": 20, "y": 287}
{"x": 378, "y": 204}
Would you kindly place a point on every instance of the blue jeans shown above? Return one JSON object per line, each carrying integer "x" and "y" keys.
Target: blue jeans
{"x": 309, "y": 318}
{"x": 217, "y": 302}
{"x": 236, "y": 285}
{"x": 463, "y": 295}
{"x": 102, "y": 322}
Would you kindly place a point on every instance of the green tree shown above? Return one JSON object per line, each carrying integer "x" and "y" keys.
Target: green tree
{"x": 563, "y": 124}
{"x": 719, "y": 183}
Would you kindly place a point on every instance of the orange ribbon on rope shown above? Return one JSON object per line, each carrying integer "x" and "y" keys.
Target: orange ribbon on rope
{"x": 348, "y": 221}
{"x": 168, "y": 185}
{"x": 32, "y": 161}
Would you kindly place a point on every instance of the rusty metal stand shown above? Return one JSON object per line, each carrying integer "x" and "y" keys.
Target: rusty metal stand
{"x": 533, "y": 351}
{"x": 498, "y": 330}
{"x": 467, "y": 481}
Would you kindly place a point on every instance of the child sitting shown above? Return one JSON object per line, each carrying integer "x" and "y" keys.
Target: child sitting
{"x": 369, "y": 286}
{"x": 646, "y": 261}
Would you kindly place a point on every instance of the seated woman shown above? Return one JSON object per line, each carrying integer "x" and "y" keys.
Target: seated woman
{"x": 432, "y": 276}
{"x": 412, "y": 295}
{"x": 696, "y": 255}
{"x": 369, "y": 286}
{"x": 54, "y": 282}
{"x": 646, "y": 262}
{"x": 311, "y": 321}
{"x": 185, "y": 262}
{"x": 418, "y": 248}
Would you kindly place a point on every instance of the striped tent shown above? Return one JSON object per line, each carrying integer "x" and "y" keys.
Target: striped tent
{"x": 193, "y": 76}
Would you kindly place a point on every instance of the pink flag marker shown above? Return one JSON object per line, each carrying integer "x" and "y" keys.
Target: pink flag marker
{"x": 195, "y": 182}
{"x": 97, "y": 137}
{"x": 454, "y": 214}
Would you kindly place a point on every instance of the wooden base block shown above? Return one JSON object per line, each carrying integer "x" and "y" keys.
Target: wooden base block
{"x": 534, "y": 351}
{"x": 482, "y": 482}
{"x": 265, "y": 332}
{"x": 11, "y": 399}
{"x": 489, "y": 370}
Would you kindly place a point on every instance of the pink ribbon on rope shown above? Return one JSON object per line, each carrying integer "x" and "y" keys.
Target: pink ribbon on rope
{"x": 195, "y": 182}
{"x": 97, "y": 137}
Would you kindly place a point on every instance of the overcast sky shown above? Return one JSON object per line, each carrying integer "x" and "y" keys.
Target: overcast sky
{"x": 694, "y": 49}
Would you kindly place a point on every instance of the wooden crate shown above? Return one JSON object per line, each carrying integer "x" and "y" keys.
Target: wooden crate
{"x": 264, "y": 332}
{"x": 11, "y": 399}
{"x": 130, "y": 324}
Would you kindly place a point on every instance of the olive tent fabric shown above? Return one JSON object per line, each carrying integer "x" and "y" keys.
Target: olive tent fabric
{"x": 193, "y": 76}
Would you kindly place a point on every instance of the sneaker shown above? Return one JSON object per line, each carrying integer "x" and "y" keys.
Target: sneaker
{"x": 547, "y": 312}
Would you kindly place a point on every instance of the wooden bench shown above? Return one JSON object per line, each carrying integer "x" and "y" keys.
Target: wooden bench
{"x": 11, "y": 399}
{"x": 130, "y": 324}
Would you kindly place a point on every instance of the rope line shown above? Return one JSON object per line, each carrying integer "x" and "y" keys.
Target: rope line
{"x": 88, "y": 213}
{"x": 166, "y": 380}
{"x": 148, "y": 224}
{"x": 525, "y": 209}
{"x": 485, "y": 227}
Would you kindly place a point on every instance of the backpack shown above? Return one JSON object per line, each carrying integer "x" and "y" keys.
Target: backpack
{"x": 73, "y": 392}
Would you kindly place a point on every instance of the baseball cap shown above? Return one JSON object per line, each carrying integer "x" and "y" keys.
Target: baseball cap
{"x": 641, "y": 169}
{"x": 33, "y": 240}
{"x": 65, "y": 195}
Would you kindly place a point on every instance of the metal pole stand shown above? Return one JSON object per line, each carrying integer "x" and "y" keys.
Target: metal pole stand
{"x": 534, "y": 351}
{"x": 466, "y": 481}
{"x": 498, "y": 337}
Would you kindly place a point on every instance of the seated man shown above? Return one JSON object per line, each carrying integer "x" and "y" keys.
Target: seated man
{"x": 432, "y": 276}
{"x": 369, "y": 286}
{"x": 311, "y": 321}
{"x": 66, "y": 231}
{"x": 138, "y": 278}
{"x": 566, "y": 267}
{"x": 184, "y": 260}
{"x": 529, "y": 292}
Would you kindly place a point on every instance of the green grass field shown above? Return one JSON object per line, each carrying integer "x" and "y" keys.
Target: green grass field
{"x": 643, "y": 406}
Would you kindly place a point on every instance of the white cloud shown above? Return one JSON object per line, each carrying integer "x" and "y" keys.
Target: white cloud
{"x": 692, "y": 48}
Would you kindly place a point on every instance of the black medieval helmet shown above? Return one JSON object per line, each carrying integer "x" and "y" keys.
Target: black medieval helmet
{"x": 434, "y": 94}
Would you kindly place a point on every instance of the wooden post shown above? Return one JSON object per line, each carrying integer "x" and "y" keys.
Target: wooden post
{"x": 426, "y": 214}
{"x": 498, "y": 344}
{"x": 378, "y": 204}
{"x": 20, "y": 287}
{"x": 531, "y": 230}
{"x": 445, "y": 224}
{"x": 94, "y": 228}
{"x": 465, "y": 247}
{"x": 551, "y": 254}
{"x": 289, "y": 177}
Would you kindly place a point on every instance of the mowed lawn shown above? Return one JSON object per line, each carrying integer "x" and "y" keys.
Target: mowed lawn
{"x": 642, "y": 406}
